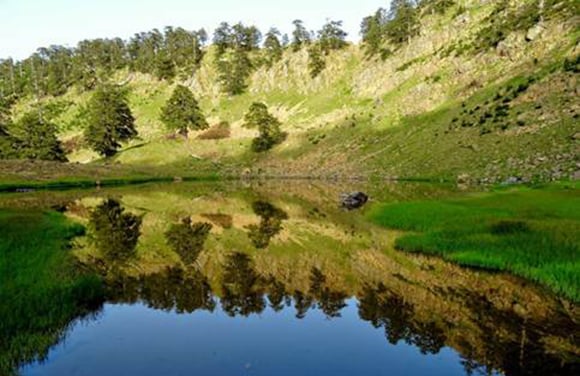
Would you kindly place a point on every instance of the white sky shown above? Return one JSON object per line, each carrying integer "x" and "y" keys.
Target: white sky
{"x": 26, "y": 25}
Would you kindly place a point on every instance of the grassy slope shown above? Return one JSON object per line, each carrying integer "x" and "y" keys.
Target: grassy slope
{"x": 39, "y": 291}
{"x": 531, "y": 233}
{"x": 380, "y": 118}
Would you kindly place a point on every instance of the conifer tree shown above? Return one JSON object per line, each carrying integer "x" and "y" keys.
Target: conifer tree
{"x": 222, "y": 38}
{"x": 373, "y": 32}
{"x": 273, "y": 47}
{"x": 331, "y": 36}
{"x": 109, "y": 120}
{"x": 182, "y": 113}
{"x": 300, "y": 36}
{"x": 259, "y": 118}
{"x": 234, "y": 68}
{"x": 38, "y": 138}
{"x": 403, "y": 22}
{"x": 165, "y": 68}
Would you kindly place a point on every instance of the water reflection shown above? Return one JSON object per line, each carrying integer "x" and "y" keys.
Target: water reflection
{"x": 243, "y": 290}
{"x": 187, "y": 239}
{"x": 196, "y": 250}
{"x": 270, "y": 225}
{"x": 115, "y": 232}
{"x": 387, "y": 309}
{"x": 169, "y": 290}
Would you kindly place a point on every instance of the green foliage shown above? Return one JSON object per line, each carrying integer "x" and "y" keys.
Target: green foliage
{"x": 40, "y": 290}
{"x": 236, "y": 37}
{"x": 531, "y": 233}
{"x": 234, "y": 67}
{"x": 316, "y": 61}
{"x": 332, "y": 37}
{"x": 403, "y": 22}
{"x": 165, "y": 68}
{"x": 7, "y": 143}
{"x": 436, "y": 6}
{"x": 300, "y": 36}
{"x": 182, "y": 112}
{"x": 273, "y": 47}
{"x": 397, "y": 27}
{"x": 187, "y": 239}
{"x": 109, "y": 120}
{"x": 115, "y": 232}
{"x": 372, "y": 31}
{"x": 268, "y": 126}
{"x": 37, "y": 138}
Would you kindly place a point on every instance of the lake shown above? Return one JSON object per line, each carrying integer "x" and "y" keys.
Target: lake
{"x": 275, "y": 278}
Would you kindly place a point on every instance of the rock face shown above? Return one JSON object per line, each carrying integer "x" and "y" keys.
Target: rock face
{"x": 353, "y": 200}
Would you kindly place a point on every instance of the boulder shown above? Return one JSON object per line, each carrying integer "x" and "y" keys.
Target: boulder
{"x": 353, "y": 200}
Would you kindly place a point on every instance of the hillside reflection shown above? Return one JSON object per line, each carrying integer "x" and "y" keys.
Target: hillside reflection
{"x": 511, "y": 345}
{"x": 277, "y": 249}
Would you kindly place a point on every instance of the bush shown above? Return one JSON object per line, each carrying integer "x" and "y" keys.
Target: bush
{"x": 217, "y": 132}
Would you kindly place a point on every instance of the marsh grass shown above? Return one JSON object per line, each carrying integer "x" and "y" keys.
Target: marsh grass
{"x": 531, "y": 233}
{"x": 40, "y": 290}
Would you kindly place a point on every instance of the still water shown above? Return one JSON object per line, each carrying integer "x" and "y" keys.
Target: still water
{"x": 277, "y": 279}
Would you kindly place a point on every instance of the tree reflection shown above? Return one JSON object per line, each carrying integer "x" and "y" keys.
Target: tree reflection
{"x": 243, "y": 292}
{"x": 386, "y": 309}
{"x": 277, "y": 295}
{"x": 187, "y": 239}
{"x": 115, "y": 232}
{"x": 270, "y": 225}
{"x": 172, "y": 289}
{"x": 329, "y": 301}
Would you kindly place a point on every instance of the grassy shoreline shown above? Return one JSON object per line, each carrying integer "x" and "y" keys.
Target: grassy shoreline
{"x": 40, "y": 289}
{"x": 532, "y": 233}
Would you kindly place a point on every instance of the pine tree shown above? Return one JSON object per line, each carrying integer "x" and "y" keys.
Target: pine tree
{"x": 37, "y": 138}
{"x": 222, "y": 38}
{"x": 300, "y": 36}
{"x": 109, "y": 119}
{"x": 273, "y": 47}
{"x": 373, "y": 32}
{"x": 164, "y": 67}
{"x": 234, "y": 68}
{"x": 268, "y": 126}
{"x": 182, "y": 112}
{"x": 331, "y": 36}
{"x": 403, "y": 22}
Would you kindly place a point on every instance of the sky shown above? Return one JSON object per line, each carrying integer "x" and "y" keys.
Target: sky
{"x": 26, "y": 25}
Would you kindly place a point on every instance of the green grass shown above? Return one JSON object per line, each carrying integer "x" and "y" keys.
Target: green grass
{"x": 39, "y": 288}
{"x": 532, "y": 233}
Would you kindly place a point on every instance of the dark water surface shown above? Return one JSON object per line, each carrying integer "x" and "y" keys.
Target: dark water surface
{"x": 281, "y": 281}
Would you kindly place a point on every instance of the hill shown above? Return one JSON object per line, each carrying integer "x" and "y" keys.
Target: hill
{"x": 484, "y": 91}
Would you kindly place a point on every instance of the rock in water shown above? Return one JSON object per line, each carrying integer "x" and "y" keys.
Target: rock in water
{"x": 354, "y": 200}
